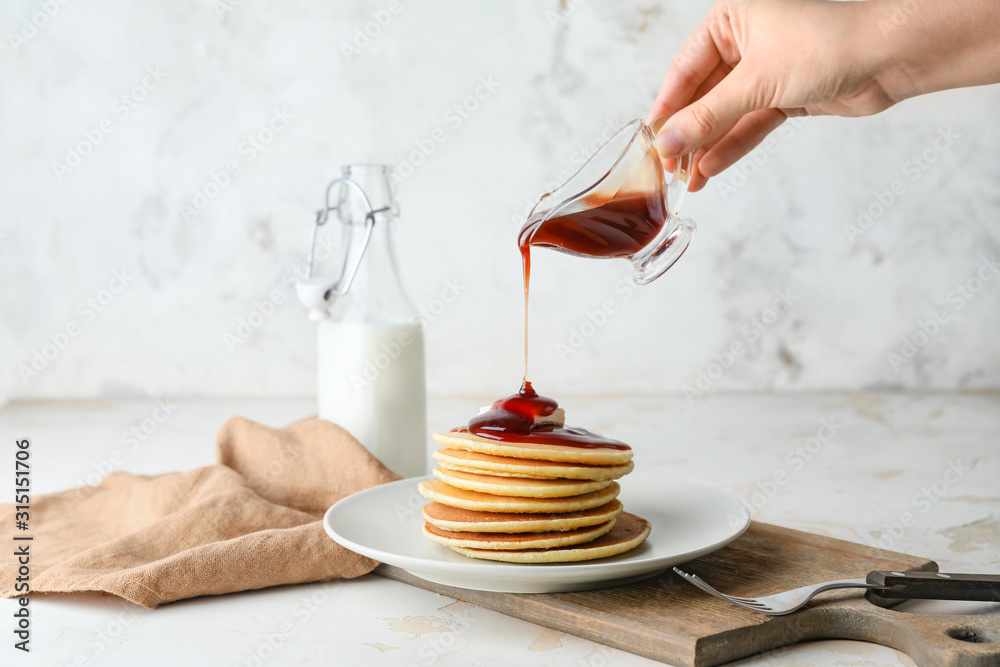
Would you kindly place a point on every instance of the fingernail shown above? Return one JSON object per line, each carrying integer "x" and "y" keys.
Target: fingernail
{"x": 670, "y": 143}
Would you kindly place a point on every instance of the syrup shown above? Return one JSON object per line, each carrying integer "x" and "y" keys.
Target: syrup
{"x": 617, "y": 227}
{"x": 512, "y": 419}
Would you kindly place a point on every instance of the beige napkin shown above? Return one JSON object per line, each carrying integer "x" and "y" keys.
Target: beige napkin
{"x": 251, "y": 521}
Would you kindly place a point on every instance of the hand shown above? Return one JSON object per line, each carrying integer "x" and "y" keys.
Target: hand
{"x": 750, "y": 64}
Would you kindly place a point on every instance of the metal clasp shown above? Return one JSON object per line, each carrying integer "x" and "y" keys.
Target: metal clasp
{"x": 315, "y": 293}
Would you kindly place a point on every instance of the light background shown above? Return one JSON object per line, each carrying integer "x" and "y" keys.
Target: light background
{"x": 565, "y": 79}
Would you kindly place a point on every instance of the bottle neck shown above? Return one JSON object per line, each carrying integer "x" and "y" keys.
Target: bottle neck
{"x": 377, "y": 294}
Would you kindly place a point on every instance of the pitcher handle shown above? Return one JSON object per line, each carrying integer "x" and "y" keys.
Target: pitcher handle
{"x": 679, "y": 181}
{"x": 681, "y": 172}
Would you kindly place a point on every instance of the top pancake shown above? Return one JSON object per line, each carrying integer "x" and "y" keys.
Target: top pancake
{"x": 506, "y": 466}
{"x": 601, "y": 456}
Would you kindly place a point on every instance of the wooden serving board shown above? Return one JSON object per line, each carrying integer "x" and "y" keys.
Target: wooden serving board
{"x": 667, "y": 619}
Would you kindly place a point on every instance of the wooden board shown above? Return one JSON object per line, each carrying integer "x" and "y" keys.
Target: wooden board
{"x": 667, "y": 619}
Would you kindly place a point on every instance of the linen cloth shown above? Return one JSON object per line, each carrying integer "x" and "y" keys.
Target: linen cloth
{"x": 251, "y": 521}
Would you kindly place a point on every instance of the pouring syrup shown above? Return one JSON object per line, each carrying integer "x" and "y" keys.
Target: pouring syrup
{"x": 617, "y": 227}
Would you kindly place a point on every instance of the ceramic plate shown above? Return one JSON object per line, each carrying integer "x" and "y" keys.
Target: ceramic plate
{"x": 688, "y": 521}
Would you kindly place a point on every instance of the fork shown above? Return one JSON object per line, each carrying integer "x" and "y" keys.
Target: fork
{"x": 779, "y": 603}
{"x": 925, "y": 585}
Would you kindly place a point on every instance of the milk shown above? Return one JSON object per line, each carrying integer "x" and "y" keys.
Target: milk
{"x": 371, "y": 382}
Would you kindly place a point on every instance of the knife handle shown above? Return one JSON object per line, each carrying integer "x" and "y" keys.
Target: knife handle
{"x": 936, "y": 585}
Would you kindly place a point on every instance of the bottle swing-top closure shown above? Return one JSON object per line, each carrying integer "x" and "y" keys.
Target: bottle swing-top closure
{"x": 316, "y": 294}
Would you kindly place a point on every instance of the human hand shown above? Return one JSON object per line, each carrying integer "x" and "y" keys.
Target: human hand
{"x": 750, "y": 64}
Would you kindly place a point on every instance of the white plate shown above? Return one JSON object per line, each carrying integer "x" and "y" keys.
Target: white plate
{"x": 689, "y": 521}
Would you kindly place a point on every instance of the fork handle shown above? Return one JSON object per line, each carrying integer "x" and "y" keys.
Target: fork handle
{"x": 936, "y": 585}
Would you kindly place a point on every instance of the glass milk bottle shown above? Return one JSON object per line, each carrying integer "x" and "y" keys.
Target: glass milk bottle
{"x": 370, "y": 338}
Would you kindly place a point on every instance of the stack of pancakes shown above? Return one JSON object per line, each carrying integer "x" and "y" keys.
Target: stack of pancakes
{"x": 529, "y": 502}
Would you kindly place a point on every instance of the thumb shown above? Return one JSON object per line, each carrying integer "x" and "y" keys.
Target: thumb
{"x": 705, "y": 118}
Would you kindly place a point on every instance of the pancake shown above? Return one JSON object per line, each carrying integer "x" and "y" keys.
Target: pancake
{"x": 517, "y": 541}
{"x": 485, "y": 502}
{"x": 477, "y": 471}
{"x": 628, "y": 532}
{"x": 602, "y": 456}
{"x": 506, "y": 466}
{"x": 516, "y": 486}
{"x": 457, "y": 519}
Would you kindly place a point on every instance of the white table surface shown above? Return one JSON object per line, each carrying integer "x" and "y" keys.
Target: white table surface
{"x": 888, "y": 447}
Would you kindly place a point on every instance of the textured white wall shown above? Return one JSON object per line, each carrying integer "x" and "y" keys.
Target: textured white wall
{"x": 563, "y": 79}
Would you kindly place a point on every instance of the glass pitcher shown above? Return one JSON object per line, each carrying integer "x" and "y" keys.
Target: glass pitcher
{"x": 620, "y": 203}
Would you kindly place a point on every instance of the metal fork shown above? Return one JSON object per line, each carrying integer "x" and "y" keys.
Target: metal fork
{"x": 779, "y": 603}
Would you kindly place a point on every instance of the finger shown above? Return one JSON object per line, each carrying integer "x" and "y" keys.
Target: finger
{"x": 699, "y": 174}
{"x": 747, "y": 132}
{"x": 697, "y": 179}
{"x": 711, "y": 81}
{"x": 697, "y": 59}
{"x": 717, "y": 75}
{"x": 745, "y": 136}
{"x": 704, "y": 119}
